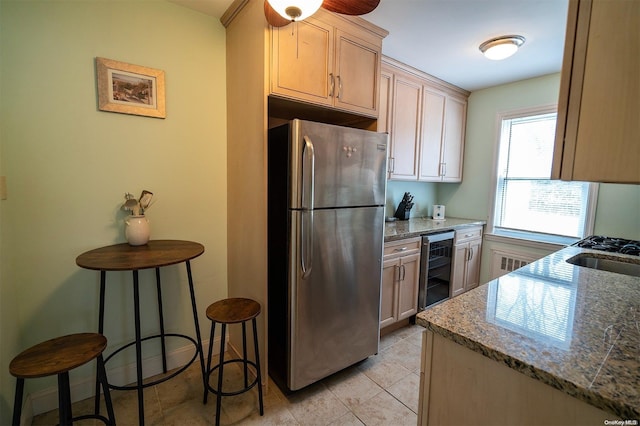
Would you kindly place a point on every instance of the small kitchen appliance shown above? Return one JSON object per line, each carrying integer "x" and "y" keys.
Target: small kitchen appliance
{"x": 327, "y": 191}
{"x": 438, "y": 212}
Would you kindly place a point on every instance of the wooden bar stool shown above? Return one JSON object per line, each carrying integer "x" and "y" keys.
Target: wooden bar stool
{"x": 233, "y": 311}
{"x": 58, "y": 356}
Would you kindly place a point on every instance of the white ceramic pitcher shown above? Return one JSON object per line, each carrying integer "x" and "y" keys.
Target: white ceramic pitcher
{"x": 137, "y": 230}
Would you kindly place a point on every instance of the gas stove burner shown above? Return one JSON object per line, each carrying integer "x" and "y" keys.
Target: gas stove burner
{"x": 610, "y": 244}
{"x": 631, "y": 248}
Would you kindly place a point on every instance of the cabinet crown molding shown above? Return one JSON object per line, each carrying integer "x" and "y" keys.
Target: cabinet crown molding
{"x": 443, "y": 85}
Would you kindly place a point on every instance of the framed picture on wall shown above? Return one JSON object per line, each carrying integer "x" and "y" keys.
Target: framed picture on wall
{"x": 130, "y": 89}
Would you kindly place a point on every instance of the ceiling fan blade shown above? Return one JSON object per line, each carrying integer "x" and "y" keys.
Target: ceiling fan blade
{"x": 350, "y": 7}
{"x": 274, "y": 17}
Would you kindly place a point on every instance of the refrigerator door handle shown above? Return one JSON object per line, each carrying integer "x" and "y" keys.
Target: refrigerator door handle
{"x": 308, "y": 178}
{"x": 308, "y": 174}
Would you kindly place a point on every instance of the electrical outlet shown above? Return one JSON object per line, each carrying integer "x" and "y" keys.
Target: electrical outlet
{"x": 3, "y": 187}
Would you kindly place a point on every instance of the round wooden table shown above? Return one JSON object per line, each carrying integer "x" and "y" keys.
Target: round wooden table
{"x": 153, "y": 255}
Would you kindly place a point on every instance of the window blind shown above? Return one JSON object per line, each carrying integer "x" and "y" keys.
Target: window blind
{"x": 526, "y": 199}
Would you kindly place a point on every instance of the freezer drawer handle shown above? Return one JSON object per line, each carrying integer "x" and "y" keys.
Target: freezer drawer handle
{"x": 306, "y": 254}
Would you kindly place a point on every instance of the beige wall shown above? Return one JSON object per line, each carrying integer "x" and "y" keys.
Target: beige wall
{"x": 68, "y": 165}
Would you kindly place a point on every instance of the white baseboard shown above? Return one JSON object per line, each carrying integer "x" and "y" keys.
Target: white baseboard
{"x": 26, "y": 419}
{"x": 47, "y": 399}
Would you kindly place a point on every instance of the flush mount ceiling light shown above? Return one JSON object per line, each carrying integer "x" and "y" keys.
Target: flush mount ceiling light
{"x": 501, "y": 47}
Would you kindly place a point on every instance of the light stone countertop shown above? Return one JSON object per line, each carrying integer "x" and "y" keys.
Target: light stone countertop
{"x": 415, "y": 227}
{"x": 574, "y": 328}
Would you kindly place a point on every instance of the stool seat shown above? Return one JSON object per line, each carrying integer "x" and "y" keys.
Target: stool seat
{"x": 57, "y": 355}
{"x": 233, "y": 310}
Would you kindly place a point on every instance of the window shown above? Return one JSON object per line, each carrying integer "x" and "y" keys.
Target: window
{"x": 528, "y": 204}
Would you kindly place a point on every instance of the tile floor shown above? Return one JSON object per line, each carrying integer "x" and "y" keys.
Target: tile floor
{"x": 381, "y": 390}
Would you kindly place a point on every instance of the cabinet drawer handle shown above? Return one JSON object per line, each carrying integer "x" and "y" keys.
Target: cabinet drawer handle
{"x": 401, "y": 249}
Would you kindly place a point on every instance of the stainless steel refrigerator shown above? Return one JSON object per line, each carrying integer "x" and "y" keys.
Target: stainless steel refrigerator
{"x": 326, "y": 189}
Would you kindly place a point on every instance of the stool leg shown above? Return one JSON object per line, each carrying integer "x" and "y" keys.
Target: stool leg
{"x": 244, "y": 354}
{"x": 102, "y": 378}
{"x": 208, "y": 371}
{"x": 17, "y": 402}
{"x": 219, "y": 394}
{"x": 64, "y": 399}
{"x": 255, "y": 343}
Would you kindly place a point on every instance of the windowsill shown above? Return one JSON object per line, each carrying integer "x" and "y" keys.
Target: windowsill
{"x": 529, "y": 239}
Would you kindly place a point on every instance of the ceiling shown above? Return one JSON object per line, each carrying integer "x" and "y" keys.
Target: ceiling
{"x": 441, "y": 37}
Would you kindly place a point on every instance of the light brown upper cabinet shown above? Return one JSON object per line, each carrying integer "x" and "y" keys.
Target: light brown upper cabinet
{"x": 443, "y": 130}
{"x": 328, "y": 61}
{"x": 598, "y": 129}
{"x": 405, "y": 127}
{"x": 426, "y": 121}
{"x": 386, "y": 93}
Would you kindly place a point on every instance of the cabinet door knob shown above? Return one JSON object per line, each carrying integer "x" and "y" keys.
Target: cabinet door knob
{"x": 339, "y": 88}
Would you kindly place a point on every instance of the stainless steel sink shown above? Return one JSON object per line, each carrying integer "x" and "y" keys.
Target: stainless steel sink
{"x": 604, "y": 264}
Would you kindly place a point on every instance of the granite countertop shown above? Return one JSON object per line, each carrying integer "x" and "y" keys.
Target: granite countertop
{"x": 574, "y": 328}
{"x": 415, "y": 227}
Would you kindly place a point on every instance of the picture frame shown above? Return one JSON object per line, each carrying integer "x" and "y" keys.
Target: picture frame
{"x": 130, "y": 89}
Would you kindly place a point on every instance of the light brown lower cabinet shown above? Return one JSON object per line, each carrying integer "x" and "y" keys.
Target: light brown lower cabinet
{"x": 465, "y": 273}
{"x": 400, "y": 279}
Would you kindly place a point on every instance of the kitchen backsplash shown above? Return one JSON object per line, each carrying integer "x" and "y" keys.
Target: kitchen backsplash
{"x": 424, "y": 197}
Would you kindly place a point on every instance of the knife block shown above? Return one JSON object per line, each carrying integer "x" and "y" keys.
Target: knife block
{"x": 401, "y": 212}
